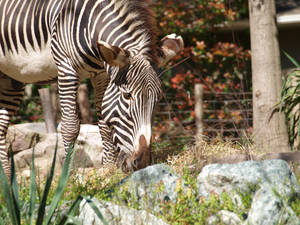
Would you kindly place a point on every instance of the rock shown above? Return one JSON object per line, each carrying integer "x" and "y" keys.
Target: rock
{"x": 269, "y": 208}
{"x": 43, "y": 155}
{"x": 89, "y": 141}
{"x": 157, "y": 183}
{"x": 26, "y": 137}
{"x": 25, "y": 174}
{"x": 116, "y": 215}
{"x": 270, "y": 182}
{"x": 229, "y": 218}
{"x": 246, "y": 176}
{"x": 224, "y": 217}
{"x": 213, "y": 220}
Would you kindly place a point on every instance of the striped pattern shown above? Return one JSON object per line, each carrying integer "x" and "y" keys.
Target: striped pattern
{"x": 11, "y": 93}
{"x": 128, "y": 109}
{"x": 4, "y": 121}
{"x": 41, "y": 40}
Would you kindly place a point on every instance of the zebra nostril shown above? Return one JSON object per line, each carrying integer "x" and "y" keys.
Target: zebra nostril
{"x": 135, "y": 163}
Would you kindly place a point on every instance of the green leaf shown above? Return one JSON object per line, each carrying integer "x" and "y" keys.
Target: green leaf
{"x": 61, "y": 184}
{"x": 292, "y": 59}
{"x": 42, "y": 207}
{"x": 71, "y": 212}
{"x": 96, "y": 210}
{"x": 8, "y": 197}
{"x": 32, "y": 190}
{"x": 1, "y": 221}
{"x": 73, "y": 220}
{"x": 14, "y": 185}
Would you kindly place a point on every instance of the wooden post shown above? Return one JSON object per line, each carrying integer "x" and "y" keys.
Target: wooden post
{"x": 28, "y": 91}
{"x": 84, "y": 104}
{"x": 55, "y": 102}
{"x": 199, "y": 111}
{"x": 47, "y": 109}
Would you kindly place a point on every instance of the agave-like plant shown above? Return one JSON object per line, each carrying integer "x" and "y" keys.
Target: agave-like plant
{"x": 43, "y": 214}
{"x": 290, "y": 101}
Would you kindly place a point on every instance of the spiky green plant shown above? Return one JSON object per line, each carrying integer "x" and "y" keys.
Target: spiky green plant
{"x": 44, "y": 214}
{"x": 290, "y": 100}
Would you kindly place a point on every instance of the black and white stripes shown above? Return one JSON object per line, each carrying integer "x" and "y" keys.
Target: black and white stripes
{"x": 113, "y": 42}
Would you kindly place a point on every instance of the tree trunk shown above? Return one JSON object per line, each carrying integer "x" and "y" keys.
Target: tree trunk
{"x": 270, "y": 133}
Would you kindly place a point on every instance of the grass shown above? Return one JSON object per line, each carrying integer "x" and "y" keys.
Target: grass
{"x": 295, "y": 205}
{"x": 30, "y": 206}
{"x": 188, "y": 209}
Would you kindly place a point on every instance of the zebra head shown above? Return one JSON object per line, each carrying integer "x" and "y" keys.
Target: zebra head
{"x": 130, "y": 99}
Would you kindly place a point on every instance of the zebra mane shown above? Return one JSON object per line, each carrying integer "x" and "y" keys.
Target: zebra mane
{"x": 146, "y": 15}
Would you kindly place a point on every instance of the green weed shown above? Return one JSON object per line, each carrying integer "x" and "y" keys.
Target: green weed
{"x": 29, "y": 207}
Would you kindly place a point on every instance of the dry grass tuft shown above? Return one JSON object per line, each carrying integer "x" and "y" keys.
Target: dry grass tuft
{"x": 107, "y": 171}
{"x": 203, "y": 153}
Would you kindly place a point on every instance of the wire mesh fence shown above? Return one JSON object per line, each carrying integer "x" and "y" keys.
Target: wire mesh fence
{"x": 226, "y": 115}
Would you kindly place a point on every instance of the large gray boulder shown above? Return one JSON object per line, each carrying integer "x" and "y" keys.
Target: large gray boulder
{"x": 25, "y": 138}
{"x": 270, "y": 182}
{"x": 116, "y": 215}
{"x": 153, "y": 184}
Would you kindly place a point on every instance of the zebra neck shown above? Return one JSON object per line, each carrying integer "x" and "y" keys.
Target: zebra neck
{"x": 124, "y": 23}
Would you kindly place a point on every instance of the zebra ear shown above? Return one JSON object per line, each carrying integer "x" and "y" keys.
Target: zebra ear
{"x": 113, "y": 55}
{"x": 171, "y": 45}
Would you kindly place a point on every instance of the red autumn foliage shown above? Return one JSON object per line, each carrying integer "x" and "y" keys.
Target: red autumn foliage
{"x": 221, "y": 66}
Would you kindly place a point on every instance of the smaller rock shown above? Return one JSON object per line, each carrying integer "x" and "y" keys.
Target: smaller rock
{"x": 43, "y": 155}
{"x": 229, "y": 218}
{"x": 26, "y": 174}
{"x": 270, "y": 208}
{"x": 270, "y": 182}
{"x": 224, "y": 217}
{"x": 89, "y": 142}
{"x": 213, "y": 220}
{"x": 116, "y": 215}
{"x": 26, "y": 137}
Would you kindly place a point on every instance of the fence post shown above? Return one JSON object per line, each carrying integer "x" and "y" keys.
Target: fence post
{"x": 55, "y": 102}
{"x": 84, "y": 104}
{"x": 47, "y": 109}
{"x": 199, "y": 111}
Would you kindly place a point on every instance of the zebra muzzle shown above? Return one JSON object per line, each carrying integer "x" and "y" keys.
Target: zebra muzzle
{"x": 143, "y": 157}
{"x": 139, "y": 159}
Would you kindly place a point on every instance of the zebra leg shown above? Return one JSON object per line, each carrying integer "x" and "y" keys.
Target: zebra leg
{"x": 100, "y": 83}
{"x": 67, "y": 88}
{"x": 109, "y": 153}
{"x": 11, "y": 94}
{"x": 4, "y": 122}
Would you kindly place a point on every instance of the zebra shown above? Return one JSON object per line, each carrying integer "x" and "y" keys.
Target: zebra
{"x": 111, "y": 42}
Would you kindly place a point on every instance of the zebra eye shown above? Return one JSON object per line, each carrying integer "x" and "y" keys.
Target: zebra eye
{"x": 127, "y": 95}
